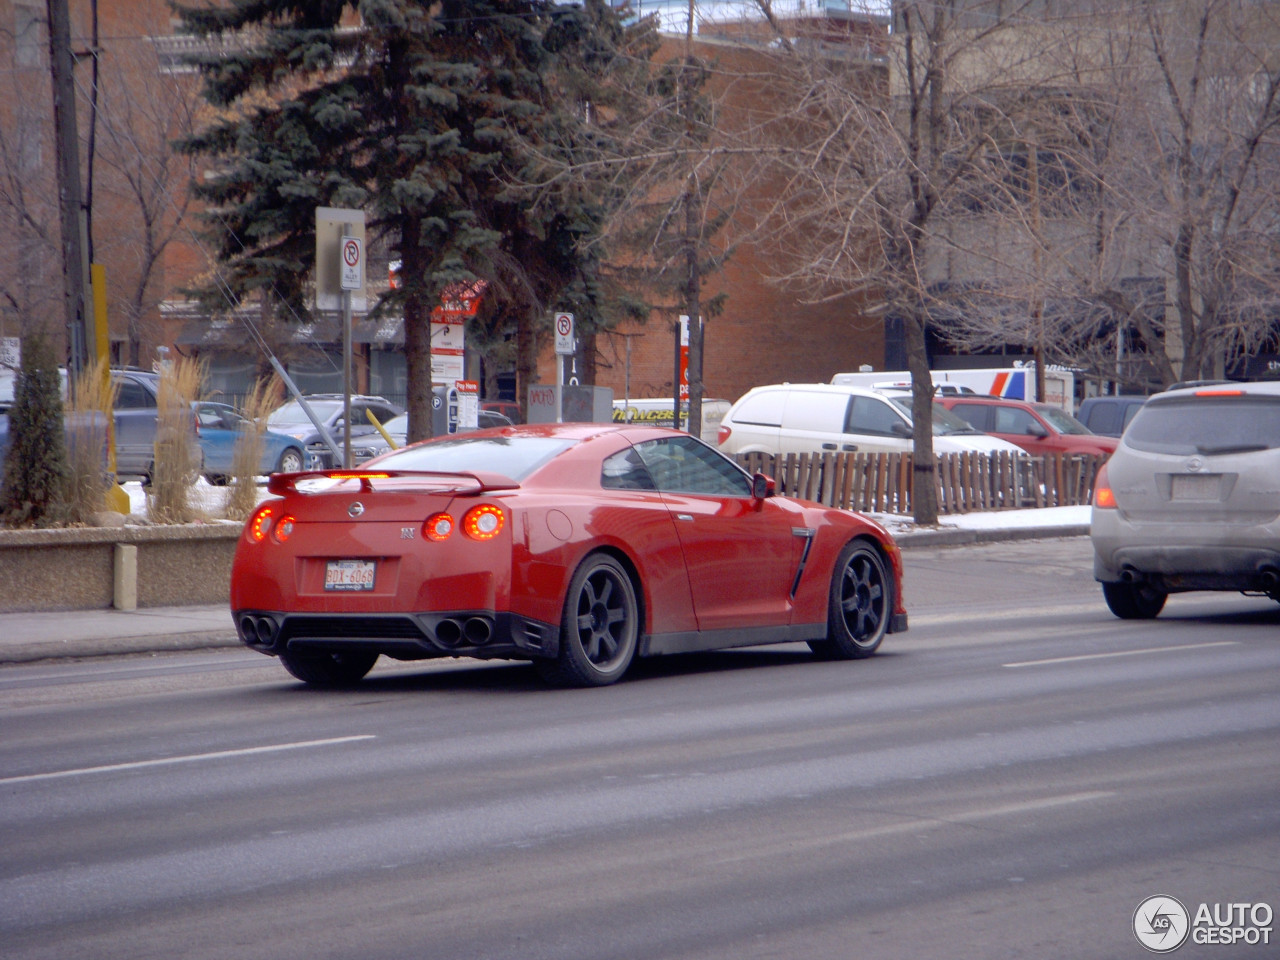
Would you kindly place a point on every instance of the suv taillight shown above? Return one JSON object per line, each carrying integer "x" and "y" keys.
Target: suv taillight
{"x": 1104, "y": 498}
{"x": 723, "y": 434}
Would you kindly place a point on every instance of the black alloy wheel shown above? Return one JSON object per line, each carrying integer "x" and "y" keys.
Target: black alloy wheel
{"x": 859, "y": 606}
{"x": 600, "y": 626}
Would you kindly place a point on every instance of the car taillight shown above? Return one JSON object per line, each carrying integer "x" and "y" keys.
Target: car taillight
{"x": 723, "y": 434}
{"x": 1103, "y": 496}
{"x": 284, "y": 529}
{"x": 260, "y": 523}
{"x": 483, "y": 522}
{"x": 439, "y": 526}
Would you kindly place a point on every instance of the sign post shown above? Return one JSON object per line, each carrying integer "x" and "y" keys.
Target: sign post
{"x": 564, "y": 348}
{"x": 339, "y": 277}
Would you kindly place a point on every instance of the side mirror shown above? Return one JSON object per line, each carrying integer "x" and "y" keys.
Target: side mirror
{"x": 1037, "y": 430}
{"x": 900, "y": 429}
{"x": 762, "y": 487}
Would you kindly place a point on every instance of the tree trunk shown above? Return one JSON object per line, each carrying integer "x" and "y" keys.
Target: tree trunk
{"x": 924, "y": 496}
{"x": 417, "y": 333}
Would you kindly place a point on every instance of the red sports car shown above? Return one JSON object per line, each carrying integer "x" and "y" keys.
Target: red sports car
{"x": 576, "y": 546}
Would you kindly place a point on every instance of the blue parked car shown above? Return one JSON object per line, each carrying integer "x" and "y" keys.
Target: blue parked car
{"x": 219, "y": 426}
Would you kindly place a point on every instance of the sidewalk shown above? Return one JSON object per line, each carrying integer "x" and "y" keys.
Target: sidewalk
{"x": 64, "y": 634}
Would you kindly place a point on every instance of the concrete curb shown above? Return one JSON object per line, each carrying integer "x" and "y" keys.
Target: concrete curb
{"x": 955, "y": 537}
{"x": 88, "y": 634}
{"x": 91, "y": 648}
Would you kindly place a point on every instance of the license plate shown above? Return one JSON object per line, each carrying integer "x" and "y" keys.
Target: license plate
{"x": 1196, "y": 488}
{"x": 349, "y": 575}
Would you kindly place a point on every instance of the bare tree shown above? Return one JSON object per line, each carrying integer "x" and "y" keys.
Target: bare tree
{"x": 30, "y": 252}
{"x": 1150, "y": 210}
{"x": 141, "y": 181}
{"x": 877, "y": 164}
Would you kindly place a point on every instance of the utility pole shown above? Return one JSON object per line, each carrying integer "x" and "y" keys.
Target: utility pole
{"x": 70, "y": 202}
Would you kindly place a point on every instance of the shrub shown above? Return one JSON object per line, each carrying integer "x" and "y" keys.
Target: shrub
{"x": 247, "y": 455}
{"x": 35, "y": 467}
{"x": 177, "y": 458}
{"x": 90, "y": 409}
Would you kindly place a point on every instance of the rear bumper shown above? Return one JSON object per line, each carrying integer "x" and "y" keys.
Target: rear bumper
{"x": 1178, "y": 557}
{"x": 482, "y": 634}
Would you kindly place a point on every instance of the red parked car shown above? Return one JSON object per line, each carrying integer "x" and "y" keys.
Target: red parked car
{"x": 1038, "y": 428}
{"x": 576, "y": 546}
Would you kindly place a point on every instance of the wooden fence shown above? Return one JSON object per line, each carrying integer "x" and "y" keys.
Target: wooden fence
{"x": 966, "y": 482}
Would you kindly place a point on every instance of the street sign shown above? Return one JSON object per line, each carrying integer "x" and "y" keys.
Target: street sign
{"x": 334, "y": 226}
{"x": 564, "y": 334}
{"x": 352, "y": 263}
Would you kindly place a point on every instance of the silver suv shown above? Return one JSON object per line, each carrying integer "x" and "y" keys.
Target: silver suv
{"x": 1190, "y": 500}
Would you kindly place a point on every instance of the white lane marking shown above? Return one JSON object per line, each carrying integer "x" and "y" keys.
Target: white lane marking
{"x": 189, "y": 758}
{"x": 920, "y": 823}
{"x": 1123, "y": 653}
{"x": 968, "y": 614}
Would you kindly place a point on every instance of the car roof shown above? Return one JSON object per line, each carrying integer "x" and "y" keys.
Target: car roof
{"x": 843, "y": 388}
{"x": 1219, "y": 388}
{"x": 988, "y": 400}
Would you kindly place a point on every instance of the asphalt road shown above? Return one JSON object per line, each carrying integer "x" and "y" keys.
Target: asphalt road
{"x": 1010, "y": 778}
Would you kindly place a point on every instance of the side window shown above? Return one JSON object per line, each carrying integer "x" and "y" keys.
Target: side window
{"x": 822, "y": 412}
{"x": 1013, "y": 420}
{"x": 625, "y": 471}
{"x": 382, "y": 413}
{"x": 764, "y": 409}
{"x": 133, "y": 396}
{"x": 210, "y": 417}
{"x": 976, "y": 415}
{"x": 874, "y": 416}
{"x": 685, "y": 465}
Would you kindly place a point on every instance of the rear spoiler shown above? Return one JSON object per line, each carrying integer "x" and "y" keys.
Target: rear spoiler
{"x": 476, "y": 482}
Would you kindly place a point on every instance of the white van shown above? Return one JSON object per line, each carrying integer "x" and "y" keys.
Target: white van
{"x": 834, "y": 418}
{"x": 657, "y": 411}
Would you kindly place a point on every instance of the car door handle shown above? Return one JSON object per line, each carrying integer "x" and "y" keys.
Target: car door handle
{"x": 849, "y": 447}
{"x": 828, "y": 446}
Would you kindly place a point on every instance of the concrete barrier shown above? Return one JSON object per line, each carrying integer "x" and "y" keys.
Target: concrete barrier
{"x": 86, "y": 568}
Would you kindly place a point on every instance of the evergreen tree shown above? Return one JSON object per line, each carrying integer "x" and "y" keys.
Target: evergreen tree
{"x": 35, "y": 466}
{"x": 421, "y": 114}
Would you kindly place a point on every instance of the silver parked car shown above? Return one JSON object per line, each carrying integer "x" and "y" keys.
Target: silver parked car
{"x": 1190, "y": 500}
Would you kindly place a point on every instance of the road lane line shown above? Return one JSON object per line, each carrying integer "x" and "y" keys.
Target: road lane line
{"x": 1122, "y": 653}
{"x": 917, "y": 824}
{"x": 189, "y": 758}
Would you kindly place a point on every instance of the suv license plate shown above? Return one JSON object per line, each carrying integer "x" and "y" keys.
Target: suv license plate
{"x": 1196, "y": 488}
{"x": 349, "y": 575}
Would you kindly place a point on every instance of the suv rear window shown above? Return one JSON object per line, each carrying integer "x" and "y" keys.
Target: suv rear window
{"x": 1207, "y": 425}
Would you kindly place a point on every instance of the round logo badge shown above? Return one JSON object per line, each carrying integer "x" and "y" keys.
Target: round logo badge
{"x": 355, "y": 509}
{"x": 1161, "y": 924}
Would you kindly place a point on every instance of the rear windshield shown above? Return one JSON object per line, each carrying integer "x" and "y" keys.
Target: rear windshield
{"x": 1207, "y": 425}
{"x": 292, "y": 412}
{"x": 514, "y": 457}
{"x": 1063, "y": 421}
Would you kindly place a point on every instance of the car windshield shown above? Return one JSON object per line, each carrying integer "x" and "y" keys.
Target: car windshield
{"x": 1207, "y": 425}
{"x": 945, "y": 423}
{"x": 1062, "y": 421}
{"x": 514, "y": 457}
{"x": 292, "y": 412}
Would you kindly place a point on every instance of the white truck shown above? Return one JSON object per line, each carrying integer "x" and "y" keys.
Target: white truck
{"x": 1018, "y": 383}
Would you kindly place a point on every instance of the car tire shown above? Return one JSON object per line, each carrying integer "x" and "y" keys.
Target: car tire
{"x": 859, "y": 606}
{"x": 291, "y": 461}
{"x": 217, "y": 479}
{"x": 328, "y": 669}
{"x": 1134, "y": 601}
{"x": 600, "y": 626}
